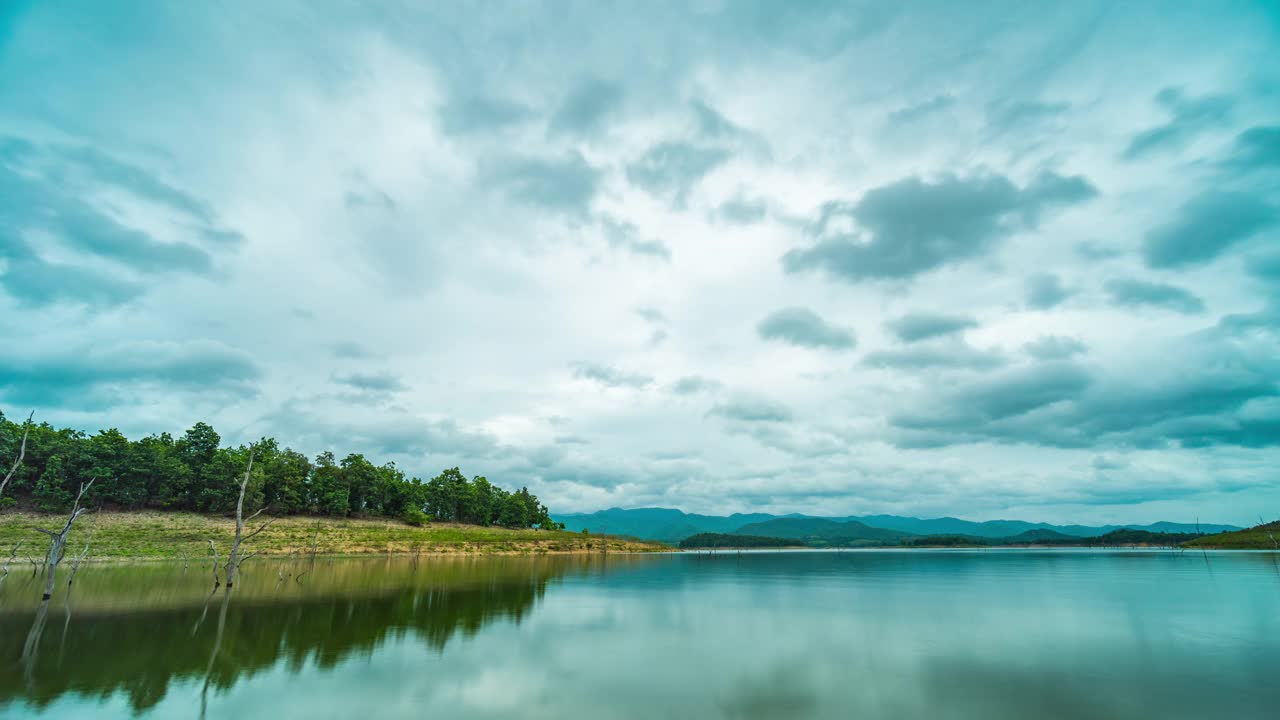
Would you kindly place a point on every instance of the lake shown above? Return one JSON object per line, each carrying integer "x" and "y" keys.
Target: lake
{"x": 861, "y": 634}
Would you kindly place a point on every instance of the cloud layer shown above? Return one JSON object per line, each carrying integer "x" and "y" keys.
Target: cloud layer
{"x": 832, "y": 258}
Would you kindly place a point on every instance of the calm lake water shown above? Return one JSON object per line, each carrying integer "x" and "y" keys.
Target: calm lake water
{"x": 881, "y": 634}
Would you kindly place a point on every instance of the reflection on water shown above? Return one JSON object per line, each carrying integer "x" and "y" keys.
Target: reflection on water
{"x": 1017, "y": 634}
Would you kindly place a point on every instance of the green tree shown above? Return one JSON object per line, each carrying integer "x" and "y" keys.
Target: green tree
{"x": 51, "y": 494}
{"x": 328, "y": 483}
{"x": 287, "y": 476}
{"x": 361, "y": 478}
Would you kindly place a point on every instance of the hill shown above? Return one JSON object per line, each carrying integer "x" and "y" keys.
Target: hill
{"x": 818, "y": 532}
{"x": 1009, "y": 528}
{"x": 1259, "y": 537}
{"x": 661, "y": 524}
{"x": 670, "y": 525}
{"x": 1040, "y": 535}
{"x": 720, "y": 540}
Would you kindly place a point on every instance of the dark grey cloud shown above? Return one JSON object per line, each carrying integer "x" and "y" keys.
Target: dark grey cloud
{"x": 1266, "y": 267}
{"x": 1021, "y": 390}
{"x": 376, "y": 382}
{"x": 671, "y": 169}
{"x": 34, "y": 281}
{"x": 743, "y": 211}
{"x": 803, "y": 327}
{"x": 1188, "y": 117}
{"x": 1094, "y": 250}
{"x": 651, "y": 314}
{"x": 567, "y": 183}
{"x": 720, "y": 131}
{"x": 43, "y": 192}
{"x": 626, "y": 236}
{"x": 369, "y": 199}
{"x": 1221, "y": 388}
{"x": 104, "y": 376}
{"x": 1205, "y": 227}
{"x": 351, "y": 350}
{"x": 914, "y": 225}
{"x": 478, "y": 114}
{"x": 1257, "y": 148}
{"x": 587, "y": 108}
{"x": 693, "y": 384}
{"x": 956, "y": 356}
{"x": 1130, "y": 292}
{"x": 711, "y": 124}
{"x": 111, "y": 171}
{"x": 922, "y": 110}
{"x": 914, "y": 327}
{"x": 1054, "y": 347}
{"x": 1045, "y": 290}
{"x": 611, "y": 377}
{"x": 407, "y": 435}
{"x": 1022, "y": 115}
{"x": 752, "y": 410}
{"x": 571, "y": 440}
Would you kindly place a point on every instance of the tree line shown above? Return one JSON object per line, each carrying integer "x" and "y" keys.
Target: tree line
{"x": 194, "y": 472}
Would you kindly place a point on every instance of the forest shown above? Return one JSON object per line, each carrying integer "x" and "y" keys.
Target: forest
{"x": 195, "y": 472}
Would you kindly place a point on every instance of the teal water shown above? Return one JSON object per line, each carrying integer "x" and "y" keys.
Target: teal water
{"x": 880, "y": 634}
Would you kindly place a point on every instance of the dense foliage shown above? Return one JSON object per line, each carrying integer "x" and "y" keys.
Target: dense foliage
{"x": 194, "y": 472}
{"x": 1115, "y": 538}
{"x": 721, "y": 540}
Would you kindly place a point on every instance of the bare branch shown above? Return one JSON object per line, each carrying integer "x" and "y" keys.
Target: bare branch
{"x": 216, "y": 580}
{"x": 315, "y": 540}
{"x": 262, "y": 527}
{"x": 58, "y": 540}
{"x": 76, "y": 567}
{"x": 22, "y": 452}
{"x": 232, "y": 563}
{"x": 255, "y": 514}
{"x": 12, "y": 554}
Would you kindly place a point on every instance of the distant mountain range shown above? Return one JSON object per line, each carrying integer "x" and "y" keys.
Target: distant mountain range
{"x": 668, "y": 525}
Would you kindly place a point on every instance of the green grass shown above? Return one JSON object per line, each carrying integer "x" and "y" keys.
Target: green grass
{"x": 1255, "y": 538}
{"x": 167, "y": 535}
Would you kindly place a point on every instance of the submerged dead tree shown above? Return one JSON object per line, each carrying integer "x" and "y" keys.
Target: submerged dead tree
{"x": 75, "y": 567}
{"x": 233, "y": 560}
{"x": 214, "y": 550}
{"x": 13, "y": 554}
{"x": 22, "y": 453}
{"x": 58, "y": 539}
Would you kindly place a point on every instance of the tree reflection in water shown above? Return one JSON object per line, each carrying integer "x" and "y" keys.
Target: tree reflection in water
{"x": 322, "y": 620}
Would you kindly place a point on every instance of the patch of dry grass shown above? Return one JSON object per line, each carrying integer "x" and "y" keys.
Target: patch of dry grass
{"x": 172, "y": 535}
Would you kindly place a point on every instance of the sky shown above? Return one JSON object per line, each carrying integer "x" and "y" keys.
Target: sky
{"x": 988, "y": 260}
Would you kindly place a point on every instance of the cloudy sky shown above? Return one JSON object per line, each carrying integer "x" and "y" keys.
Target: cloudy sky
{"x": 978, "y": 259}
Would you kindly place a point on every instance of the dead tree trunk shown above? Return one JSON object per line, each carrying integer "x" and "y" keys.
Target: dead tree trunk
{"x": 31, "y": 648}
{"x": 217, "y": 650}
{"x": 12, "y": 555}
{"x": 58, "y": 540}
{"x": 233, "y": 562}
{"x": 22, "y": 452}
{"x": 76, "y": 567}
{"x": 214, "y": 549}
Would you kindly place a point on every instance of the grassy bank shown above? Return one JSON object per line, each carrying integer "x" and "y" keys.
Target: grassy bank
{"x": 1260, "y": 537}
{"x": 161, "y": 535}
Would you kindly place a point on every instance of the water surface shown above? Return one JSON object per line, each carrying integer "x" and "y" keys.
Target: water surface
{"x": 883, "y": 634}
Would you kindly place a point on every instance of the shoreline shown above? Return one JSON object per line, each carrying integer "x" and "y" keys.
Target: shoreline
{"x": 162, "y": 535}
